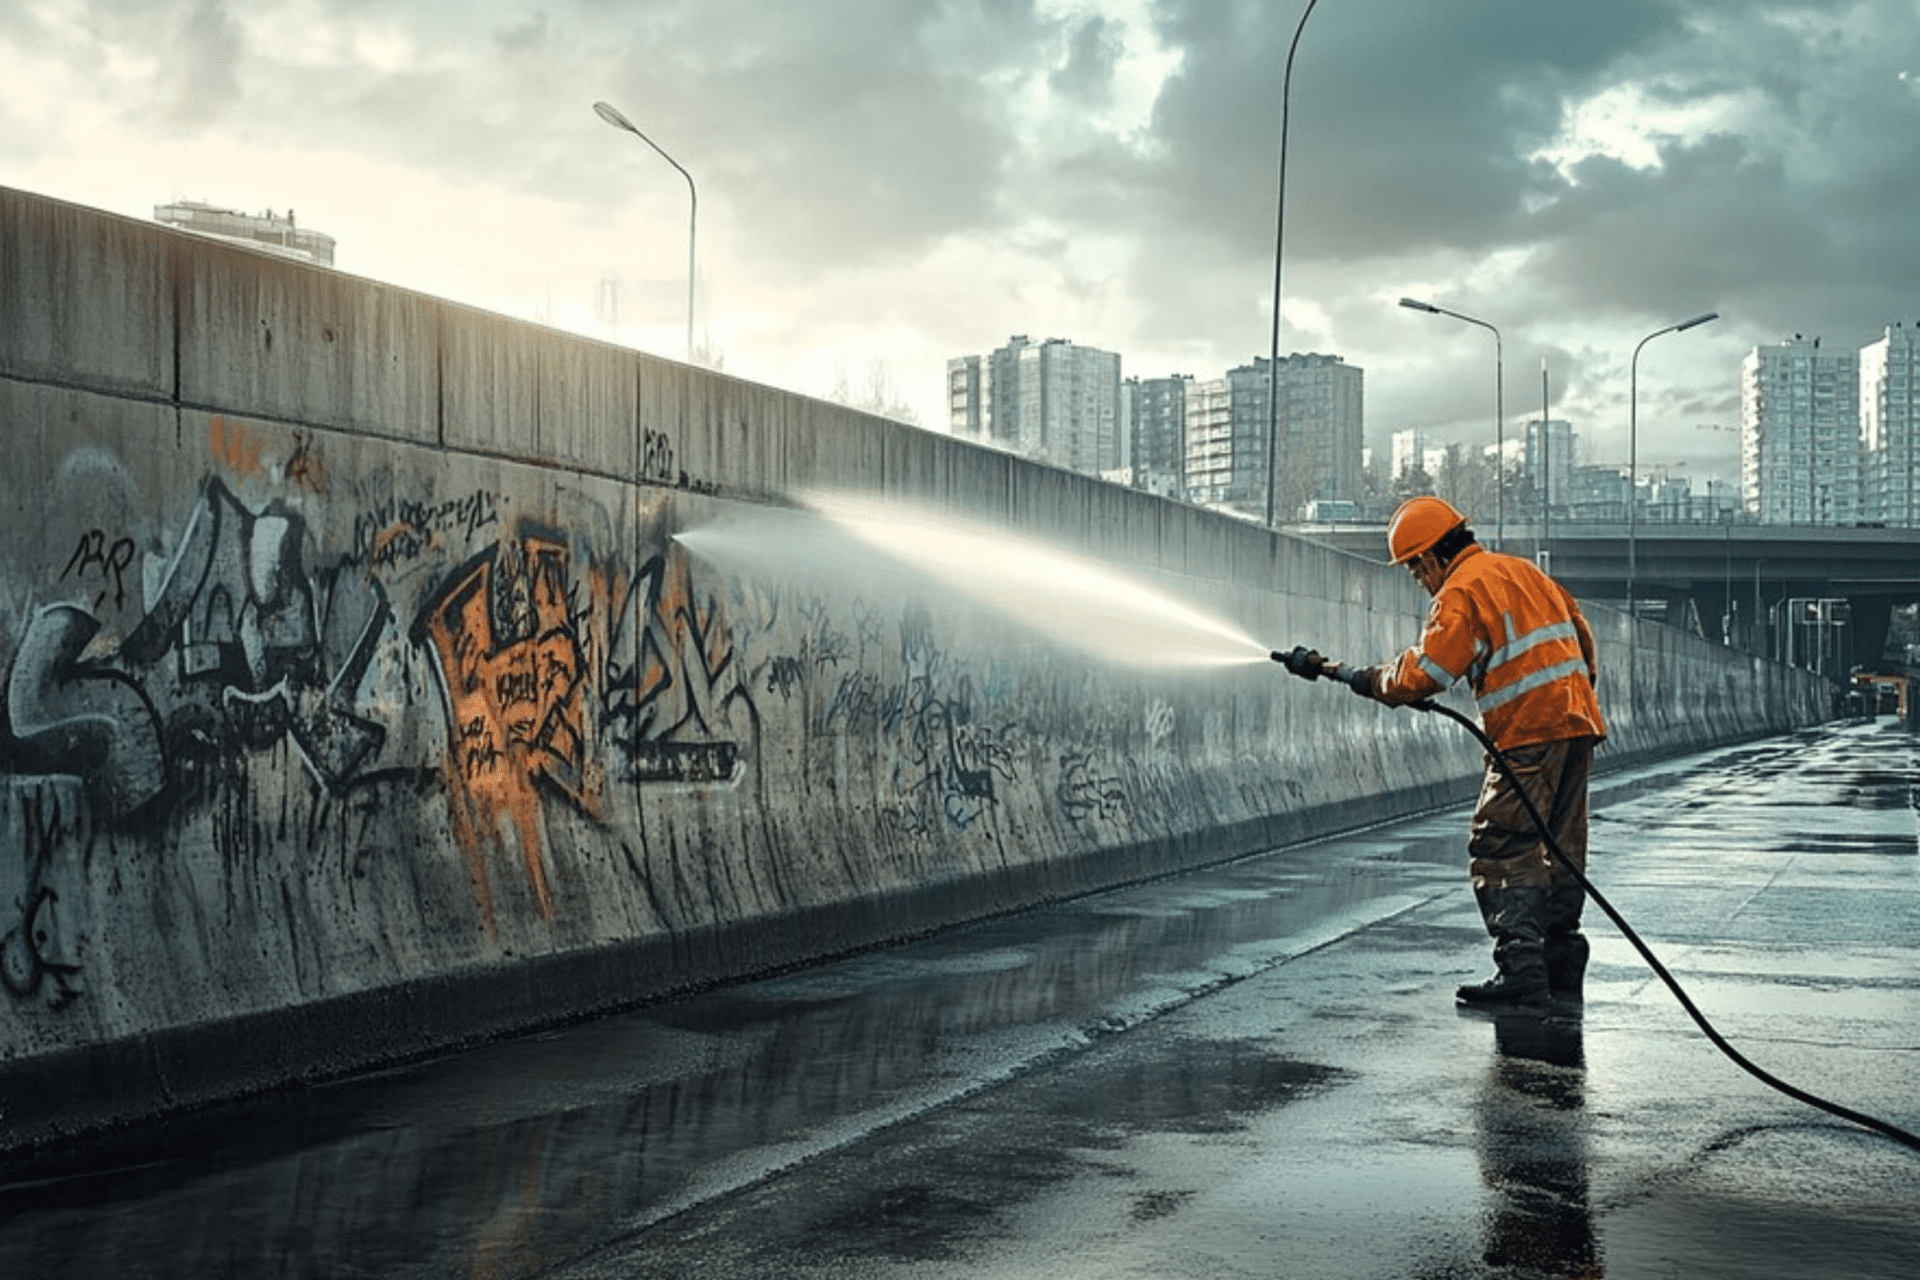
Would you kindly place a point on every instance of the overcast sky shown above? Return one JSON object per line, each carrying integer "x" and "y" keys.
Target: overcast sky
{"x": 901, "y": 181}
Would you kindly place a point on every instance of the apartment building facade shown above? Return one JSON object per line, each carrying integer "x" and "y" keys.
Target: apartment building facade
{"x": 1319, "y": 427}
{"x": 1800, "y": 433}
{"x": 1054, "y": 401}
{"x": 1890, "y": 428}
{"x": 1156, "y": 427}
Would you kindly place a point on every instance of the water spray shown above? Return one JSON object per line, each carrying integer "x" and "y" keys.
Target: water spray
{"x": 1309, "y": 665}
{"x": 1092, "y": 605}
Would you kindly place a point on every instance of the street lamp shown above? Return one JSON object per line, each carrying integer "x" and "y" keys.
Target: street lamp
{"x": 1499, "y": 415}
{"x": 1546, "y": 475}
{"x": 1633, "y": 442}
{"x": 1279, "y": 235}
{"x": 613, "y": 117}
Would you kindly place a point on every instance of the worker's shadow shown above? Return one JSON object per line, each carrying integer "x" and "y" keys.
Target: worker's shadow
{"x": 1532, "y": 1142}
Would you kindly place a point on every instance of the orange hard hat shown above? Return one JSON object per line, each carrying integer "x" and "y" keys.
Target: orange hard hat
{"x": 1418, "y": 524}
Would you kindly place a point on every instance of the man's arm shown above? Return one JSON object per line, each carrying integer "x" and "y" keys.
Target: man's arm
{"x": 1445, "y": 651}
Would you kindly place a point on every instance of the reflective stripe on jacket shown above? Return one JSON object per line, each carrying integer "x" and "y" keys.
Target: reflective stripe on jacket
{"x": 1520, "y": 640}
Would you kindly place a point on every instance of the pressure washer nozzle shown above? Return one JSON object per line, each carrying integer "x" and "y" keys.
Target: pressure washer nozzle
{"x": 1303, "y": 662}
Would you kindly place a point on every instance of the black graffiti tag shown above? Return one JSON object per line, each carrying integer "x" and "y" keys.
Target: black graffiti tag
{"x": 38, "y": 951}
{"x": 110, "y": 560}
{"x": 656, "y": 462}
{"x": 786, "y": 675}
{"x": 402, "y": 529}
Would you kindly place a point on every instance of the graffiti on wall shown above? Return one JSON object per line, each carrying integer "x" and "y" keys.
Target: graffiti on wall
{"x": 503, "y": 631}
{"x": 658, "y": 465}
{"x": 94, "y": 559}
{"x": 238, "y": 646}
{"x": 39, "y": 922}
{"x": 235, "y": 646}
{"x": 548, "y": 670}
{"x": 398, "y": 531}
{"x": 1088, "y": 791}
{"x": 152, "y": 686}
{"x": 686, "y": 696}
{"x": 945, "y": 752}
{"x": 162, "y": 686}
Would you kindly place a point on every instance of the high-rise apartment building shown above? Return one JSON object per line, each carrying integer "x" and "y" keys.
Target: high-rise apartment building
{"x": 1320, "y": 431}
{"x": 967, "y": 398}
{"x": 1247, "y": 395}
{"x": 1800, "y": 433}
{"x": 1157, "y": 425}
{"x": 1209, "y": 441}
{"x": 262, "y": 231}
{"x": 1076, "y": 391}
{"x": 1052, "y": 400}
{"x": 1323, "y": 430}
{"x": 1547, "y": 463}
{"x": 1890, "y": 428}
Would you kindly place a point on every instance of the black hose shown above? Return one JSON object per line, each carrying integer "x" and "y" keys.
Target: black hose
{"x": 1679, "y": 993}
{"x": 1686, "y": 1002}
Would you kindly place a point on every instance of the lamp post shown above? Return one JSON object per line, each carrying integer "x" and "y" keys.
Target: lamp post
{"x": 1279, "y": 236}
{"x": 613, "y": 117}
{"x": 1546, "y": 475}
{"x": 1633, "y": 443}
{"x": 1499, "y": 415}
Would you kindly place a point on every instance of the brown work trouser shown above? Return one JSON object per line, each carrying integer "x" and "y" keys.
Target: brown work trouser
{"x": 1507, "y": 851}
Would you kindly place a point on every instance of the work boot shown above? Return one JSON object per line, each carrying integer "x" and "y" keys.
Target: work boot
{"x": 1515, "y": 917}
{"x": 1506, "y": 991}
{"x": 1567, "y": 966}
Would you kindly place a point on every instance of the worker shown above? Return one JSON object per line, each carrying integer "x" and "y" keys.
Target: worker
{"x": 1520, "y": 639}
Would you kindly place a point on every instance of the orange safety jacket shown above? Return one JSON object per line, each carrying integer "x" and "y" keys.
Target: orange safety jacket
{"x": 1519, "y": 637}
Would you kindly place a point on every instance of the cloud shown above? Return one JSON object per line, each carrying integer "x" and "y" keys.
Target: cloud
{"x": 1093, "y": 55}
{"x": 196, "y": 78}
{"x": 921, "y": 178}
{"x": 840, "y": 133}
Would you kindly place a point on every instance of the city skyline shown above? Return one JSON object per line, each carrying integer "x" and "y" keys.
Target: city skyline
{"x": 892, "y": 183}
{"x": 1837, "y": 452}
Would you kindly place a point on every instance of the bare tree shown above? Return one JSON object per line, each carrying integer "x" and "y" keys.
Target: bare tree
{"x": 878, "y": 394}
{"x": 709, "y": 354}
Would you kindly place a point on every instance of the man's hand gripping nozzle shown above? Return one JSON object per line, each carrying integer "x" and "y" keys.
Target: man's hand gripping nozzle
{"x": 1309, "y": 665}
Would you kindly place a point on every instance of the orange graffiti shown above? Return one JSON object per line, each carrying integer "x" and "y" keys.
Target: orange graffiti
{"x": 513, "y": 667}
{"x": 236, "y": 447}
{"x": 243, "y": 451}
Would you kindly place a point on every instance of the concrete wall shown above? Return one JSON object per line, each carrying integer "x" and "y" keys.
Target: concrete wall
{"x": 359, "y": 703}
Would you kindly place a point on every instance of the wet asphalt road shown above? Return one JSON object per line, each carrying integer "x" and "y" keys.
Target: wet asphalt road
{"x": 1252, "y": 1071}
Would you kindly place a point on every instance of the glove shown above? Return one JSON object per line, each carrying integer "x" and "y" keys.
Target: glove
{"x": 1306, "y": 663}
{"x": 1361, "y": 680}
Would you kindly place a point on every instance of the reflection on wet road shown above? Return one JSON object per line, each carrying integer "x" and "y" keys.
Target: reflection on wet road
{"x": 1254, "y": 1070}
{"x": 518, "y": 1154}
